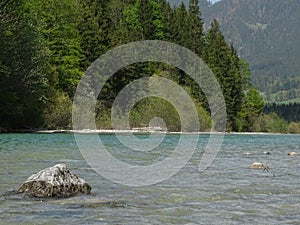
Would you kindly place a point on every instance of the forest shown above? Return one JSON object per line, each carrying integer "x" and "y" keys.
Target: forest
{"x": 47, "y": 45}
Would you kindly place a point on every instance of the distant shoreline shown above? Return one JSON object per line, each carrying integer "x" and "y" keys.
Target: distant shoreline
{"x": 132, "y": 131}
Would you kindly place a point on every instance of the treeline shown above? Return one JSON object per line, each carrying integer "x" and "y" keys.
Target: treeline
{"x": 289, "y": 84}
{"x": 281, "y": 91}
{"x": 289, "y": 112}
{"x": 47, "y": 45}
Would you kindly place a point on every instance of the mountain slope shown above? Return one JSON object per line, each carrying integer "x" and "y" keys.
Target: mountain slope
{"x": 266, "y": 33}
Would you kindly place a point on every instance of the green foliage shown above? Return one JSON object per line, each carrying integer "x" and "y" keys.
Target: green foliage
{"x": 274, "y": 124}
{"x": 181, "y": 26}
{"x": 195, "y": 25}
{"x": 294, "y": 128}
{"x": 132, "y": 23}
{"x": 23, "y": 84}
{"x": 290, "y": 112}
{"x": 58, "y": 113}
{"x": 246, "y": 74}
{"x": 59, "y": 20}
{"x": 252, "y": 108}
{"x": 47, "y": 45}
{"x": 103, "y": 120}
{"x": 150, "y": 15}
{"x": 93, "y": 29}
{"x": 147, "y": 109}
{"x": 225, "y": 64}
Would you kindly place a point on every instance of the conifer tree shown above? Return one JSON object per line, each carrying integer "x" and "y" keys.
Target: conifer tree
{"x": 224, "y": 63}
{"x": 181, "y": 22}
{"x": 93, "y": 29}
{"x": 196, "y": 34}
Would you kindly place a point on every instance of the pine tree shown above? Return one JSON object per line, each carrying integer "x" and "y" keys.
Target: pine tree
{"x": 118, "y": 30}
{"x": 225, "y": 63}
{"x": 168, "y": 21}
{"x": 181, "y": 23}
{"x": 132, "y": 24}
{"x": 196, "y": 34}
{"x": 236, "y": 92}
{"x": 93, "y": 30}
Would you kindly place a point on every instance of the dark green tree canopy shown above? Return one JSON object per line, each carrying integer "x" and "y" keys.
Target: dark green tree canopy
{"x": 47, "y": 45}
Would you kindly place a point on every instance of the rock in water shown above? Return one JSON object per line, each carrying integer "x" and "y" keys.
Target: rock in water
{"x": 259, "y": 166}
{"x": 292, "y": 153}
{"x": 56, "y": 181}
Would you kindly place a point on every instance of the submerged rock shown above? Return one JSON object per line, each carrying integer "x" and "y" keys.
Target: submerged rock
{"x": 56, "y": 181}
{"x": 89, "y": 201}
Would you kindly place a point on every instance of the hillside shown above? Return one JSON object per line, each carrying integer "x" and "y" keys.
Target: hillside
{"x": 265, "y": 33}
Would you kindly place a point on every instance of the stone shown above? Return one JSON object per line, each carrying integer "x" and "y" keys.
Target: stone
{"x": 247, "y": 153}
{"x": 292, "y": 153}
{"x": 259, "y": 166}
{"x": 56, "y": 181}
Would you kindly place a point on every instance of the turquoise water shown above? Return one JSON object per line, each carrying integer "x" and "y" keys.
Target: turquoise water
{"x": 228, "y": 192}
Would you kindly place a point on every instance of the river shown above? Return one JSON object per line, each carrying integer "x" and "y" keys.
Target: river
{"x": 227, "y": 192}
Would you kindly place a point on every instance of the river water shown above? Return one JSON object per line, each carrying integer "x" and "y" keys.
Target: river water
{"x": 228, "y": 192}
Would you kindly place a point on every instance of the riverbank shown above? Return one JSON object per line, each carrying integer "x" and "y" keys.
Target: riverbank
{"x": 143, "y": 130}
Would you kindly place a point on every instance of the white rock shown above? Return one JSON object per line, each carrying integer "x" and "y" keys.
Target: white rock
{"x": 56, "y": 181}
{"x": 259, "y": 166}
{"x": 292, "y": 153}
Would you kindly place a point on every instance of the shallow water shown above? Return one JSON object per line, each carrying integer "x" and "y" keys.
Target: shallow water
{"x": 228, "y": 192}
